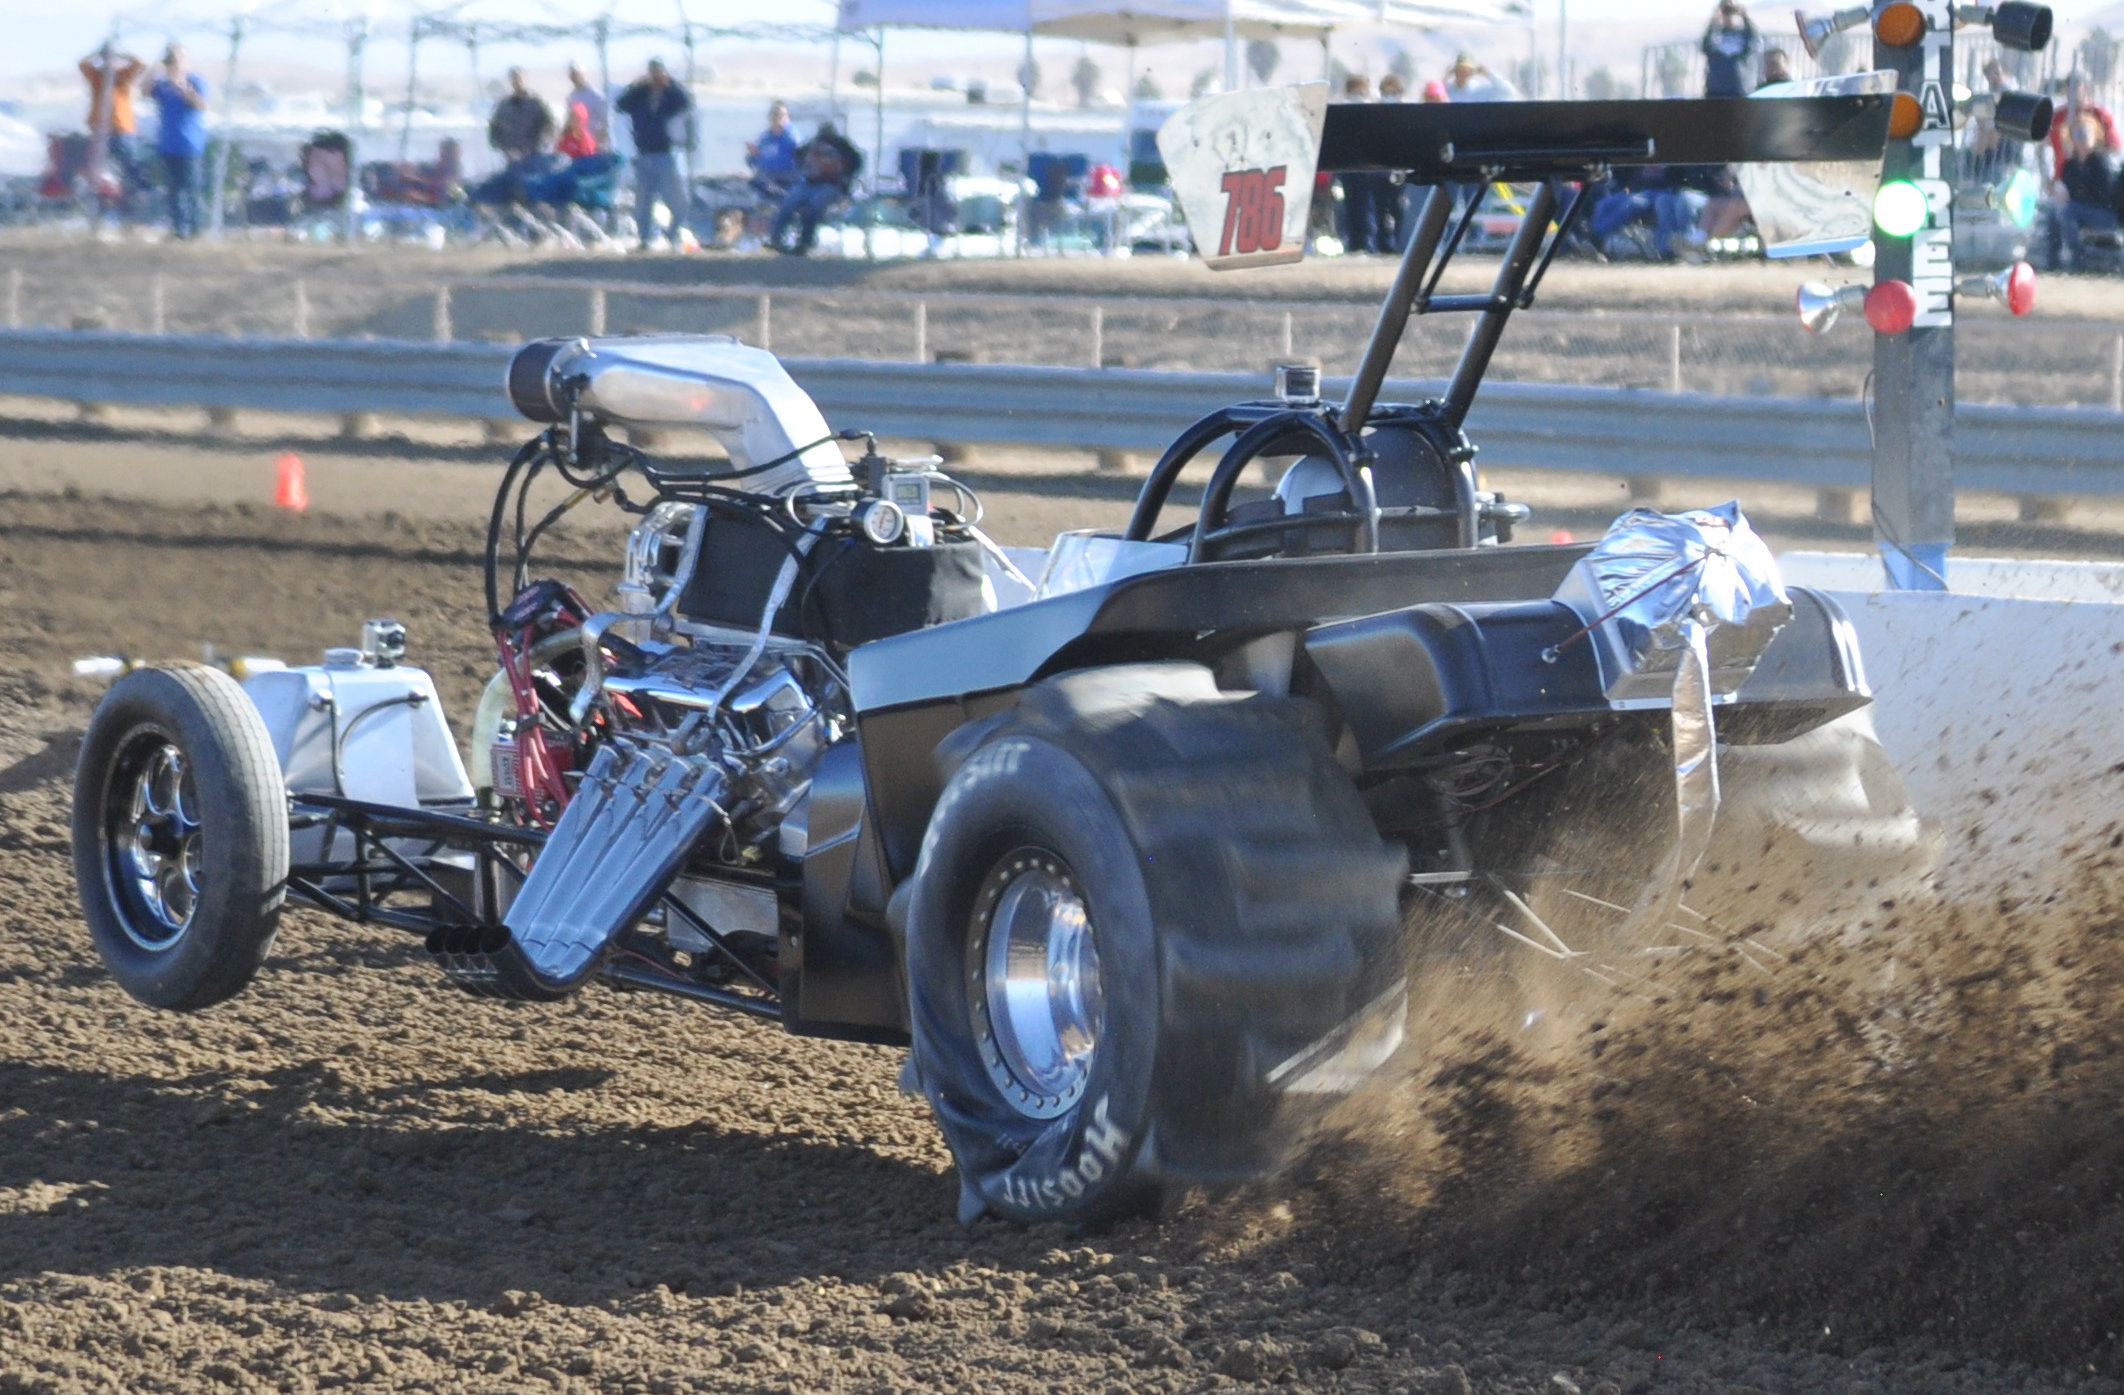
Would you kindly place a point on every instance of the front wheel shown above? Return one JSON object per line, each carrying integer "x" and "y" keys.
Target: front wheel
{"x": 180, "y": 831}
{"x": 1149, "y": 923}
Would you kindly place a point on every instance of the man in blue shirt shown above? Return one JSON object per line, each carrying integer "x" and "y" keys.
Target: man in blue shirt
{"x": 773, "y": 156}
{"x": 181, "y": 97}
{"x": 1729, "y": 45}
{"x": 654, "y": 106}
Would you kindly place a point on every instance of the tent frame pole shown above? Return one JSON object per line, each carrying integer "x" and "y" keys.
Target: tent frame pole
{"x": 1231, "y": 49}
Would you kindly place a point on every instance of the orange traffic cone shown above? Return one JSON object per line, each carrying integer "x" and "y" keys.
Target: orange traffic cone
{"x": 290, "y": 489}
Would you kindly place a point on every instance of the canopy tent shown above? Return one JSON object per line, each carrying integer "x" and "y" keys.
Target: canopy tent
{"x": 1163, "y": 21}
{"x": 1135, "y": 22}
{"x": 1007, "y": 16}
{"x": 999, "y": 16}
{"x": 1160, "y": 21}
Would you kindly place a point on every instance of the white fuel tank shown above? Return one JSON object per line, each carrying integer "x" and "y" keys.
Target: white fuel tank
{"x": 363, "y": 731}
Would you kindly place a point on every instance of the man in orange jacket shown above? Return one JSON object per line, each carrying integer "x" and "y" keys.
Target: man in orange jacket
{"x": 111, "y": 78}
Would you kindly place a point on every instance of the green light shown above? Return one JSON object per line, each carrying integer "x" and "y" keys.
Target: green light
{"x": 1899, "y": 208}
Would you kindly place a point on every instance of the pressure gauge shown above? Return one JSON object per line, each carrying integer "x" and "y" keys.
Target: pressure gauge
{"x": 882, "y": 521}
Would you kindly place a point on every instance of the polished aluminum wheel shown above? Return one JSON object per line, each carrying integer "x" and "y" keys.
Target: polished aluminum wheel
{"x": 1037, "y": 1001}
{"x": 153, "y": 819}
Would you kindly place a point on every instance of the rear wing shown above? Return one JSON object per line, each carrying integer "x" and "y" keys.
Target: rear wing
{"x": 1521, "y": 141}
{"x": 1243, "y": 163}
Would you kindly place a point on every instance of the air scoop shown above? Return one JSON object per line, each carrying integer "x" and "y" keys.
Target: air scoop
{"x": 742, "y": 395}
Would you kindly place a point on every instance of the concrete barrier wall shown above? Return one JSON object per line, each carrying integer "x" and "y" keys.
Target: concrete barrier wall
{"x": 2001, "y": 578}
{"x": 2006, "y": 719}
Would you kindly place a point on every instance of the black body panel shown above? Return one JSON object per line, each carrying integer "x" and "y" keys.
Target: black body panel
{"x": 840, "y": 968}
{"x": 1138, "y": 617}
{"x": 1434, "y": 142}
{"x": 899, "y": 756}
{"x": 1453, "y": 641}
{"x": 1409, "y": 682}
{"x": 1809, "y": 675}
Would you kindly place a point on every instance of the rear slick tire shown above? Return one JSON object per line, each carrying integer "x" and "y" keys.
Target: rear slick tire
{"x": 180, "y": 826}
{"x": 1151, "y": 925}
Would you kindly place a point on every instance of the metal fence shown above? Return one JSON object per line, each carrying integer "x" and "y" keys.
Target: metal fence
{"x": 2025, "y": 362}
{"x": 1823, "y": 444}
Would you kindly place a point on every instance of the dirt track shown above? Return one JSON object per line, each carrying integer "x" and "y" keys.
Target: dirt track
{"x": 1888, "y": 1165}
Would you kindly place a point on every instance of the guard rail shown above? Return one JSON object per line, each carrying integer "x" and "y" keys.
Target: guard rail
{"x": 1813, "y": 442}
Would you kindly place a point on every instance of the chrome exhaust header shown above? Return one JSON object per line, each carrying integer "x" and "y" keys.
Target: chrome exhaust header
{"x": 618, "y": 845}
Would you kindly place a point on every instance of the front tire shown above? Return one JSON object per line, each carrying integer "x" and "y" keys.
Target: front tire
{"x": 180, "y": 831}
{"x": 1150, "y": 921}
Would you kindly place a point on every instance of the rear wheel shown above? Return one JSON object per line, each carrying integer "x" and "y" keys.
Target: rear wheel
{"x": 1149, "y": 923}
{"x": 180, "y": 832}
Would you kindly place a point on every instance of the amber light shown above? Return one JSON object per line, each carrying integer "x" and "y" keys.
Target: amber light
{"x": 1904, "y": 116}
{"x": 1899, "y": 25}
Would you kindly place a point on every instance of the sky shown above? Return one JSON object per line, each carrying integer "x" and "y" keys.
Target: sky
{"x": 44, "y": 39}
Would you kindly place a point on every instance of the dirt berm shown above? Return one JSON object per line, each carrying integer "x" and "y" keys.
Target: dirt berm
{"x": 1775, "y": 1161}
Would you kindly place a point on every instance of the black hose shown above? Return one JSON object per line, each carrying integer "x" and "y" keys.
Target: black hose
{"x": 536, "y": 446}
{"x": 342, "y": 735}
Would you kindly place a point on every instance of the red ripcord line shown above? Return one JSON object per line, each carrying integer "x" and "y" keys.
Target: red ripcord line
{"x": 1555, "y": 651}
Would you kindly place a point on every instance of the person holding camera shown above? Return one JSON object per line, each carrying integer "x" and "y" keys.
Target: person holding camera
{"x": 181, "y": 98}
{"x": 1730, "y": 44}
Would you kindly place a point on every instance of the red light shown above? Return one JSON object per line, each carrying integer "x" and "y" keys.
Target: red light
{"x": 1890, "y": 307}
{"x": 2020, "y": 288}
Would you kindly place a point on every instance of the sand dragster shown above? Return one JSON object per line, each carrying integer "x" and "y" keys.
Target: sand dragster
{"x": 1134, "y": 842}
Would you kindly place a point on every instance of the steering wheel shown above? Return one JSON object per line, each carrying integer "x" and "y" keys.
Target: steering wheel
{"x": 1258, "y": 432}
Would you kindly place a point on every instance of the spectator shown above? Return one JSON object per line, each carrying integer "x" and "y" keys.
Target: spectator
{"x": 1729, "y": 43}
{"x": 1435, "y": 91}
{"x": 1366, "y": 221}
{"x": 653, "y": 104}
{"x": 2087, "y": 189}
{"x": 111, "y": 77}
{"x": 1990, "y": 153}
{"x": 1725, "y": 209}
{"x": 181, "y": 100}
{"x": 1651, "y": 194}
{"x": 1469, "y": 81}
{"x": 1397, "y": 202}
{"x": 773, "y": 157}
{"x": 827, "y": 166}
{"x": 522, "y": 123}
{"x": 2068, "y": 113}
{"x": 597, "y": 112}
{"x": 576, "y": 138}
{"x": 1777, "y": 68}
